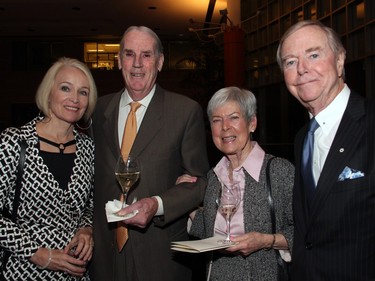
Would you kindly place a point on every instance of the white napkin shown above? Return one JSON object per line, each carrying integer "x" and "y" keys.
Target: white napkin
{"x": 112, "y": 207}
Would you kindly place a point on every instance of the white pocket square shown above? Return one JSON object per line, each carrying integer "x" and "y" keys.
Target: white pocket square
{"x": 349, "y": 174}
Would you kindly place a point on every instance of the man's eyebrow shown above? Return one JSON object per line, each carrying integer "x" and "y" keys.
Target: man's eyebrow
{"x": 142, "y": 52}
{"x": 309, "y": 50}
{"x": 288, "y": 57}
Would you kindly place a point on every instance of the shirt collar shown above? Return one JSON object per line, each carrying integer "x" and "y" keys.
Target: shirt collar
{"x": 252, "y": 164}
{"x": 126, "y": 99}
{"x": 333, "y": 113}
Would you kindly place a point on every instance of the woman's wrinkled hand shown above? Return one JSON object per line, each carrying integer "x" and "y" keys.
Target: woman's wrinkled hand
{"x": 186, "y": 178}
{"x": 248, "y": 243}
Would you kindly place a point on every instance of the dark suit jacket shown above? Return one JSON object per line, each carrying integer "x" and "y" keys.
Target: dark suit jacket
{"x": 170, "y": 142}
{"x": 334, "y": 238}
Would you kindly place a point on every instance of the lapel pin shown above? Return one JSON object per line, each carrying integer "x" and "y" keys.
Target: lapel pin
{"x": 341, "y": 150}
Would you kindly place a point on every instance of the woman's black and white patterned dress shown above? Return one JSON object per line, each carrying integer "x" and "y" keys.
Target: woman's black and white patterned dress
{"x": 48, "y": 215}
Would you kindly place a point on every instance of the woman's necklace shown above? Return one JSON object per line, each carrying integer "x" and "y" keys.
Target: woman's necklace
{"x": 60, "y": 146}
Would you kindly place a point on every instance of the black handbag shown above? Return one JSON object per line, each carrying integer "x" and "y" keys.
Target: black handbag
{"x": 5, "y": 212}
{"x": 283, "y": 272}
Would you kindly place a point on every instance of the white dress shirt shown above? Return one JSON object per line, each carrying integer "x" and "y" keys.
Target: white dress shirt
{"x": 124, "y": 109}
{"x": 329, "y": 120}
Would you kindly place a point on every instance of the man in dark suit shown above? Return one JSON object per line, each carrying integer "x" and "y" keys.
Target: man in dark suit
{"x": 170, "y": 141}
{"x": 334, "y": 229}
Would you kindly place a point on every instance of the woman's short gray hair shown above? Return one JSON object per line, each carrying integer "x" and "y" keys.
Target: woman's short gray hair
{"x": 244, "y": 98}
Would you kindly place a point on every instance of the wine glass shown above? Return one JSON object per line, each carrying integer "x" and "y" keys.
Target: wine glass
{"x": 127, "y": 173}
{"x": 228, "y": 203}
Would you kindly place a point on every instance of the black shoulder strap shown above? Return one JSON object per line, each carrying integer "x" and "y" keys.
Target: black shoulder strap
{"x": 280, "y": 262}
{"x": 270, "y": 199}
{"x": 16, "y": 200}
{"x": 21, "y": 163}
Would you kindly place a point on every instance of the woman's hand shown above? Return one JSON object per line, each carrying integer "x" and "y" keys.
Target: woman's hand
{"x": 251, "y": 242}
{"x": 58, "y": 260}
{"x": 82, "y": 245}
{"x": 186, "y": 178}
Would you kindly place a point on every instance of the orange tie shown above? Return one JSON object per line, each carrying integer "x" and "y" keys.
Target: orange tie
{"x": 130, "y": 130}
{"x": 128, "y": 138}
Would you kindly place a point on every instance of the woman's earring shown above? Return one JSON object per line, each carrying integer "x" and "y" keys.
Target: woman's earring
{"x": 87, "y": 126}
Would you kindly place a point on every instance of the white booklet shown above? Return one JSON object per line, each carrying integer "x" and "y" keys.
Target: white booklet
{"x": 199, "y": 246}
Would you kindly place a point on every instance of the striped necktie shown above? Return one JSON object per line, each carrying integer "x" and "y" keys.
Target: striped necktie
{"x": 307, "y": 159}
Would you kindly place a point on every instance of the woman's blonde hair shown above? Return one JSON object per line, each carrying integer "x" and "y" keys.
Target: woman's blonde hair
{"x": 45, "y": 87}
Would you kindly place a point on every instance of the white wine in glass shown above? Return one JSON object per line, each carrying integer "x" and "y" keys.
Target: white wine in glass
{"x": 127, "y": 173}
{"x": 228, "y": 203}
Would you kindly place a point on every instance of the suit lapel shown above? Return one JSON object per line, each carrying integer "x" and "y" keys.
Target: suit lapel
{"x": 110, "y": 125}
{"x": 343, "y": 148}
{"x": 151, "y": 123}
